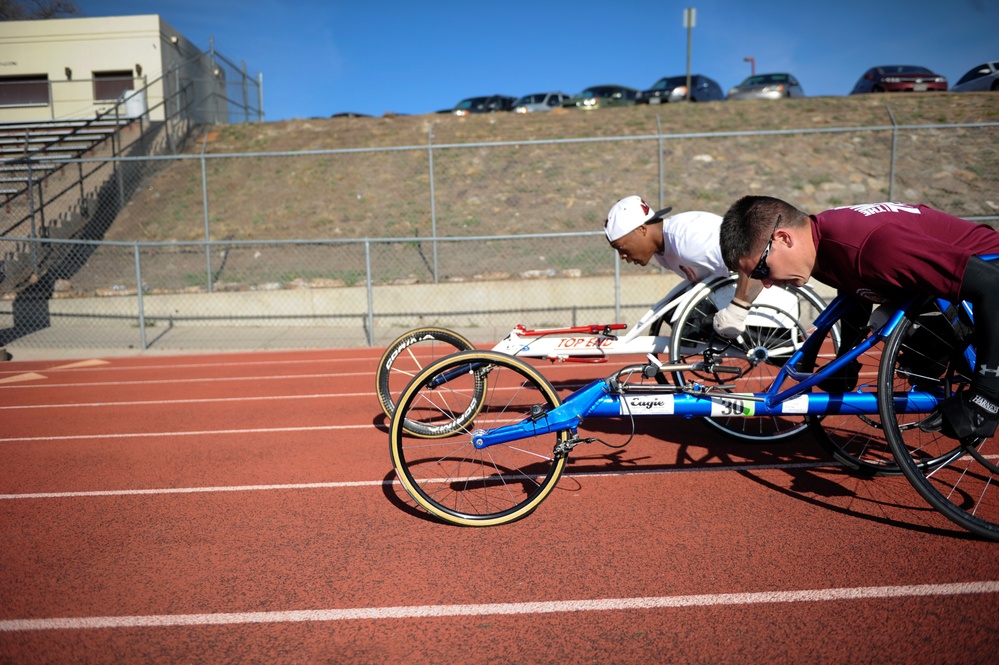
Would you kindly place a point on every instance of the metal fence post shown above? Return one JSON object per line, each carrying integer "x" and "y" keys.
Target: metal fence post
{"x": 246, "y": 99}
{"x": 170, "y": 118}
{"x": 617, "y": 287}
{"x": 83, "y": 192}
{"x": 118, "y": 164}
{"x": 433, "y": 209}
{"x": 260, "y": 96}
{"x": 204, "y": 207}
{"x": 894, "y": 148}
{"x": 371, "y": 295}
{"x": 31, "y": 211}
{"x": 662, "y": 175}
{"x": 139, "y": 303}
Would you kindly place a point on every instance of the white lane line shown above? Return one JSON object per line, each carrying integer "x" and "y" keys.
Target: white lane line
{"x": 197, "y": 490}
{"x": 189, "y": 365}
{"x": 198, "y": 380}
{"x": 159, "y": 402}
{"x": 139, "y": 435}
{"x": 382, "y": 483}
{"x": 539, "y": 607}
{"x": 207, "y": 379}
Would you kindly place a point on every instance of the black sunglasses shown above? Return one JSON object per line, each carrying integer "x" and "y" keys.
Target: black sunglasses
{"x": 762, "y": 270}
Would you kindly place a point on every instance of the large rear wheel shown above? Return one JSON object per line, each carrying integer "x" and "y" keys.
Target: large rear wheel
{"x": 961, "y": 480}
{"x": 860, "y": 442}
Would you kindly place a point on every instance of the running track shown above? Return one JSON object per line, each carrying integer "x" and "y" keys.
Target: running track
{"x": 241, "y": 508}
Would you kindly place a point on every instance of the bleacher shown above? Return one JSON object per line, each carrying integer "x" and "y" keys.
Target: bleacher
{"x": 45, "y": 191}
{"x": 31, "y": 151}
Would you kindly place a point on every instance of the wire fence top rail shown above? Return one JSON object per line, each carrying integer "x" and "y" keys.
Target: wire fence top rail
{"x": 537, "y": 142}
{"x": 299, "y": 241}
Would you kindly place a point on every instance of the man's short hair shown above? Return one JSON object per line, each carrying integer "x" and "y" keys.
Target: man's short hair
{"x": 749, "y": 220}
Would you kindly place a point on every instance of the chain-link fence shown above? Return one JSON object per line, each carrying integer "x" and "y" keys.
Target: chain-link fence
{"x": 443, "y": 205}
{"x": 553, "y": 186}
{"x": 354, "y": 292}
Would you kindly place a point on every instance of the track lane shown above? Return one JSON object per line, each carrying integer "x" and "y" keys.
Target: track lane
{"x": 347, "y": 548}
{"x": 683, "y": 514}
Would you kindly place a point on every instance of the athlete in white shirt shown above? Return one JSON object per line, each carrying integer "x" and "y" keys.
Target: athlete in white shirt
{"x": 686, "y": 243}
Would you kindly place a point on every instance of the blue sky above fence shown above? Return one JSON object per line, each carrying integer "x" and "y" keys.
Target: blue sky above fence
{"x": 319, "y": 58}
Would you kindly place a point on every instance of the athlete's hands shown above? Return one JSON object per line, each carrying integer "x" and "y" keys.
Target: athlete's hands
{"x": 730, "y": 322}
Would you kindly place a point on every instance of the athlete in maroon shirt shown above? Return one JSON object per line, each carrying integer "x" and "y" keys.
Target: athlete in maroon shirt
{"x": 882, "y": 252}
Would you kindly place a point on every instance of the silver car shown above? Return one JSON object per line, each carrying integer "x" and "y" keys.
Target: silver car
{"x": 539, "y": 101}
{"x": 982, "y": 77}
{"x": 767, "y": 86}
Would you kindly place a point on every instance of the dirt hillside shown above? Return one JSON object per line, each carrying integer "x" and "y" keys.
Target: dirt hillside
{"x": 511, "y": 187}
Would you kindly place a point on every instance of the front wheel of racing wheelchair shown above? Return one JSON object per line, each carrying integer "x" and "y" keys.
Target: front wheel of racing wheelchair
{"x": 448, "y": 476}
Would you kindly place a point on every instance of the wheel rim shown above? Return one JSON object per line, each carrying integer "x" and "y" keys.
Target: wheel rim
{"x": 406, "y": 357}
{"x": 452, "y": 479}
{"x": 961, "y": 482}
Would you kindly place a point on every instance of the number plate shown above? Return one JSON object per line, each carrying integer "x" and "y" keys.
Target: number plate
{"x": 721, "y": 406}
{"x": 919, "y": 87}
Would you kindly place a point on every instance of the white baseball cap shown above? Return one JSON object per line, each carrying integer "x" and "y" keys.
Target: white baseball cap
{"x": 627, "y": 215}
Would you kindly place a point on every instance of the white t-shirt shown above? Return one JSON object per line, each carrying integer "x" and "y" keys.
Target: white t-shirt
{"x": 690, "y": 246}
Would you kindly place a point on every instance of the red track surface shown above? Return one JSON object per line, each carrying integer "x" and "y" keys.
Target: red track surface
{"x": 241, "y": 508}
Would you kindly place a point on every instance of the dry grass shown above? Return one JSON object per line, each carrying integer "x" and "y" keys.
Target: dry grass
{"x": 539, "y": 187}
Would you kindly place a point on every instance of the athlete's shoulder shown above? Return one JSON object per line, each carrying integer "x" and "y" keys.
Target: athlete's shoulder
{"x": 874, "y": 210}
{"x": 694, "y": 217}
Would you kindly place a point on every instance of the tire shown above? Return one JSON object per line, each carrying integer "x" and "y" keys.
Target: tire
{"x": 962, "y": 482}
{"x": 449, "y": 477}
{"x": 773, "y": 332}
{"x": 858, "y": 442}
{"x": 407, "y": 356}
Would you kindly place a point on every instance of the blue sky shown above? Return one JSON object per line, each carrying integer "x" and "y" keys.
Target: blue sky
{"x": 406, "y": 56}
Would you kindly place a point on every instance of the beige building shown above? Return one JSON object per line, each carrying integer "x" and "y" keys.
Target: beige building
{"x": 59, "y": 69}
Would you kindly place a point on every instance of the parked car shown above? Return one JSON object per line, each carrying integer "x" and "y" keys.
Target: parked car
{"x": 539, "y": 101}
{"x": 674, "y": 89}
{"x": 899, "y": 78}
{"x": 767, "y": 86}
{"x": 982, "y": 77}
{"x": 488, "y": 104}
{"x": 603, "y": 95}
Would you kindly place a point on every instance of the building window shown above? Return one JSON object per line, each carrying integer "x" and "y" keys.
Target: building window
{"x": 24, "y": 90}
{"x": 108, "y": 86}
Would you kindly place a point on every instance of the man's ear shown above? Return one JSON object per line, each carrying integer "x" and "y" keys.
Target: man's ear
{"x": 784, "y": 236}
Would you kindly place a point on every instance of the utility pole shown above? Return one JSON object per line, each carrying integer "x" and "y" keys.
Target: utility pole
{"x": 752, "y": 61}
{"x": 689, "y": 20}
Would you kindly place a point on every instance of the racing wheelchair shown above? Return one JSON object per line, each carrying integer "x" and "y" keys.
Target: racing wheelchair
{"x": 497, "y": 435}
{"x": 777, "y": 324}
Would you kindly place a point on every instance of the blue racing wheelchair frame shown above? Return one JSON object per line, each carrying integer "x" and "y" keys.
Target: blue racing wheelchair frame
{"x": 491, "y": 458}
